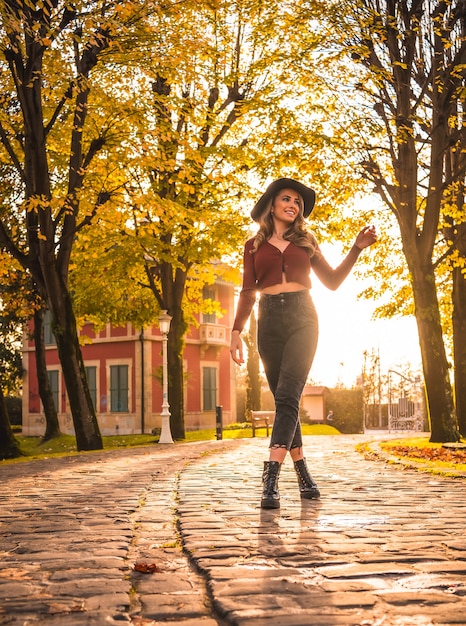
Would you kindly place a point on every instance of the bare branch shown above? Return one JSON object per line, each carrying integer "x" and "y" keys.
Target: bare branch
{"x": 9, "y": 148}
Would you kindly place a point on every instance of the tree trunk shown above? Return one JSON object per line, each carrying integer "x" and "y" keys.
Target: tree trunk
{"x": 416, "y": 84}
{"x": 9, "y": 446}
{"x": 52, "y": 428}
{"x": 51, "y": 232}
{"x": 86, "y": 428}
{"x": 176, "y": 372}
{"x": 418, "y": 247}
{"x": 418, "y": 244}
{"x": 455, "y": 232}
{"x": 439, "y": 394}
{"x": 459, "y": 331}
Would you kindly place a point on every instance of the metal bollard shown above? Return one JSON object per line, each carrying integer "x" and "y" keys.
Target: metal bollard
{"x": 218, "y": 421}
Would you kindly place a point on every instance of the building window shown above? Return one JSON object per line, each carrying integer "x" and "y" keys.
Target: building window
{"x": 208, "y": 293}
{"x": 209, "y": 384}
{"x": 53, "y": 382}
{"x": 49, "y": 337}
{"x": 91, "y": 374}
{"x": 119, "y": 388}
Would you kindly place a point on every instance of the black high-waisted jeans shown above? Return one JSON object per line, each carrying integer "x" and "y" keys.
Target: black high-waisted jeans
{"x": 287, "y": 342}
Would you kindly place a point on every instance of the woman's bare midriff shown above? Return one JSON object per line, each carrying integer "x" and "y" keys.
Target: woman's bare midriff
{"x": 283, "y": 287}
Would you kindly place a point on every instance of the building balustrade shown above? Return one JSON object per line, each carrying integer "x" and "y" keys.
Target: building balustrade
{"x": 212, "y": 335}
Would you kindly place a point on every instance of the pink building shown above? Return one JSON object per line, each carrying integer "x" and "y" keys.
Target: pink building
{"x": 123, "y": 366}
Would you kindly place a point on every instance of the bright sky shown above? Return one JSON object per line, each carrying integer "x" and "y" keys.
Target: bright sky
{"x": 346, "y": 331}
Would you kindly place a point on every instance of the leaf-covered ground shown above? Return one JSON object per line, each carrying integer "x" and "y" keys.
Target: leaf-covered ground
{"x": 419, "y": 452}
{"x": 447, "y": 455}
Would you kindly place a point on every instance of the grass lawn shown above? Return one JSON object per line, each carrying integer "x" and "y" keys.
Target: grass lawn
{"x": 66, "y": 444}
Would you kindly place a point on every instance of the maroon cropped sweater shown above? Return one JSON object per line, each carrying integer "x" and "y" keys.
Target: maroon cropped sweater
{"x": 265, "y": 268}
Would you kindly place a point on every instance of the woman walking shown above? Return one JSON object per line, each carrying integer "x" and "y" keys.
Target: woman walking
{"x": 277, "y": 263}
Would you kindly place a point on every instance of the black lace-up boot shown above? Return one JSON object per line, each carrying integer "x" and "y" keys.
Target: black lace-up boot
{"x": 270, "y": 496}
{"x": 307, "y": 487}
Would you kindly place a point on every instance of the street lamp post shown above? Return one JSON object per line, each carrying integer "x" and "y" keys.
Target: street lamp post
{"x": 164, "y": 325}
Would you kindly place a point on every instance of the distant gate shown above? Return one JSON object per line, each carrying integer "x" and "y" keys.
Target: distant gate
{"x": 405, "y": 412}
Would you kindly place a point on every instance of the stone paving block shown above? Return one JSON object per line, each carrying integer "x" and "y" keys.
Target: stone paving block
{"x": 252, "y": 587}
{"x": 349, "y": 570}
{"x": 350, "y": 547}
{"x": 440, "y": 614}
{"x": 354, "y": 584}
{"x": 404, "y": 557}
{"x": 161, "y": 607}
{"x": 205, "y": 564}
{"x": 425, "y": 597}
{"x": 303, "y": 562}
{"x": 96, "y": 618}
{"x": 19, "y": 608}
{"x": 87, "y": 587}
{"x": 252, "y": 571}
{"x": 342, "y": 599}
{"x": 50, "y": 561}
{"x": 204, "y": 621}
{"x": 165, "y": 583}
{"x": 456, "y": 544}
{"x": 15, "y": 589}
{"x": 443, "y": 566}
{"x": 108, "y": 600}
{"x": 426, "y": 580}
{"x": 220, "y": 554}
{"x": 82, "y": 573}
{"x": 303, "y": 618}
{"x": 264, "y": 602}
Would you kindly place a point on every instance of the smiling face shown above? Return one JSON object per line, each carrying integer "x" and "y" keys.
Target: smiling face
{"x": 286, "y": 206}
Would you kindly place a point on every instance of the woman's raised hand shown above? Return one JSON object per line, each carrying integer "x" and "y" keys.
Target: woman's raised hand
{"x": 366, "y": 237}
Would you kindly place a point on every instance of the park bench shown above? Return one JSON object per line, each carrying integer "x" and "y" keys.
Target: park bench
{"x": 261, "y": 419}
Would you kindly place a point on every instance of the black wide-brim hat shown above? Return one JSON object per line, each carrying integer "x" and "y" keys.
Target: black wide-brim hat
{"x": 308, "y": 195}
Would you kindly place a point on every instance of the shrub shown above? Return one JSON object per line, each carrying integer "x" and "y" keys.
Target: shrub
{"x": 348, "y": 409}
{"x": 13, "y": 405}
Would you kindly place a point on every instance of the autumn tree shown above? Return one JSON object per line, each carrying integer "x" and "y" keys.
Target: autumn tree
{"x": 54, "y": 158}
{"x": 219, "y": 110}
{"x": 168, "y": 128}
{"x": 407, "y": 109}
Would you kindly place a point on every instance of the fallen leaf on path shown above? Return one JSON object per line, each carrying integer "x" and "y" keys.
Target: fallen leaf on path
{"x": 450, "y": 455}
{"x": 147, "y": 568}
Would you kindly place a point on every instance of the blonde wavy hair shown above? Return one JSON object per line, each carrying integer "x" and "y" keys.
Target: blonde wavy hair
{"x": 296, "y": 233}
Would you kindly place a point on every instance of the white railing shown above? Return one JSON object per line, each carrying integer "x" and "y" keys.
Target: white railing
{"x": 407, "y": 412}
{"x": 405, "y": 415}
